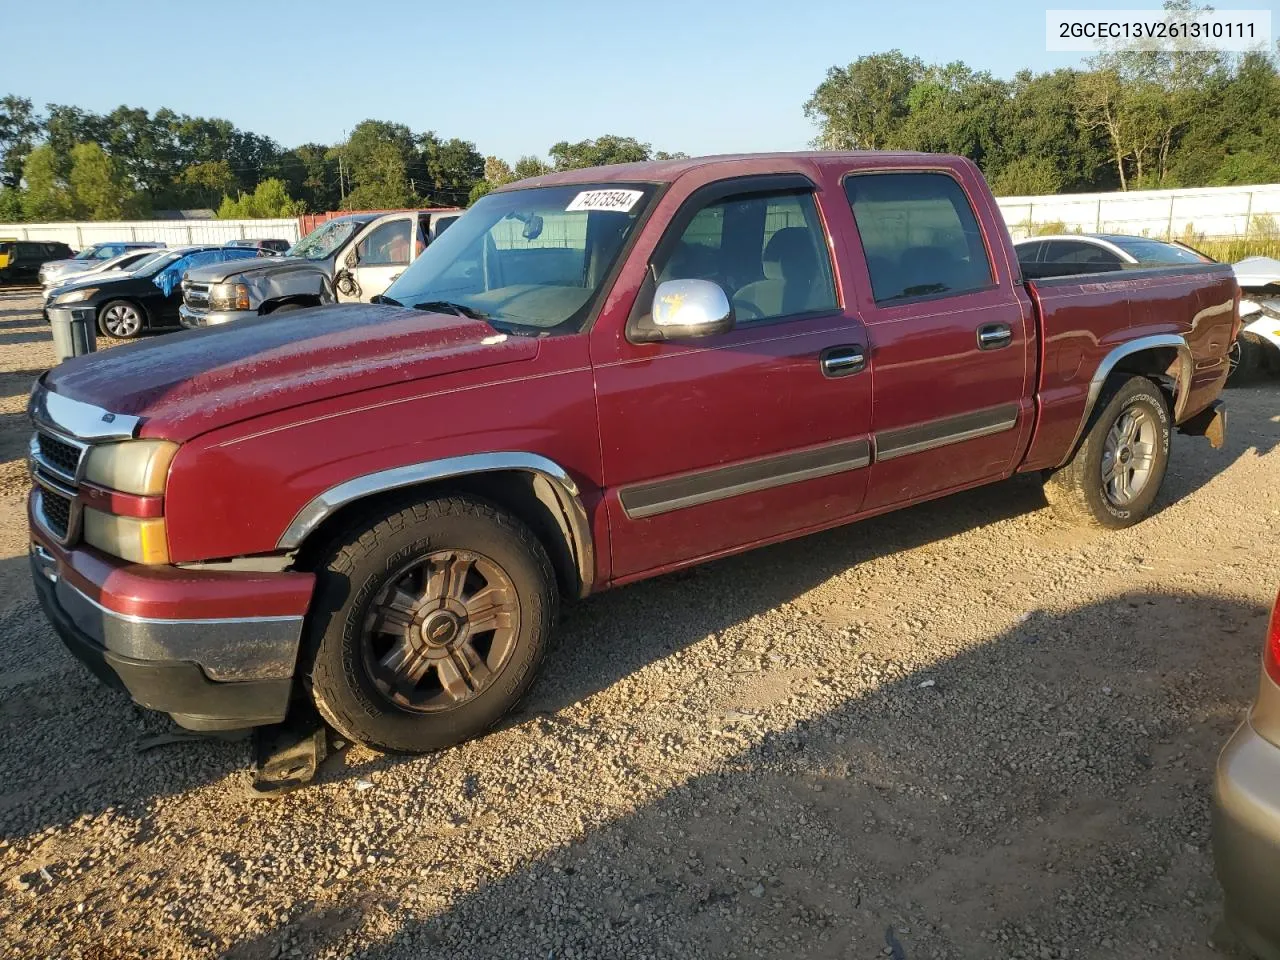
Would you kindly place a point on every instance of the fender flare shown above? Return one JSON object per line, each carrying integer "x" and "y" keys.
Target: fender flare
{"x": 567, "y": 497}
{"x": 1159, "y": 341}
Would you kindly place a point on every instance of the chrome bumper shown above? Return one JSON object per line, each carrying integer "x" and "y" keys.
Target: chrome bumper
{"x": 192, "y": 319}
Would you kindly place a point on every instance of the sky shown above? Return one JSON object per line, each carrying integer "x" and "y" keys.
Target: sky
{"x": 701, "y": 76}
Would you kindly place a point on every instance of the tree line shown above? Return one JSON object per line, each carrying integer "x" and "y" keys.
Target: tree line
{"x": 1128, "y": 120}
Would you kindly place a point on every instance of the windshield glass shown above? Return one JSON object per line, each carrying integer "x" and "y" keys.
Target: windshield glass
{"x": 93, "y": 253}
{"x": 1153, "y": 251}
{"x": 531, "y": 260}
{"x": 324, "y": 239}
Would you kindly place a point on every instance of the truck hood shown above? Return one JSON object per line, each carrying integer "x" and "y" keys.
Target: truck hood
{"x": 185, "y": 384}
{"x": 219, "y": 272}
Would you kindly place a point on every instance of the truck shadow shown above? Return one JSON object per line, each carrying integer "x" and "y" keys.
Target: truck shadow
{"x": 1044, "y": 794}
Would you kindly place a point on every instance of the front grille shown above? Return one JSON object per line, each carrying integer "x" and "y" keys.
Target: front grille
{"x": 62, "y": 456}
{"x": 196, "y": 295}
{"x": 57, "y": 512}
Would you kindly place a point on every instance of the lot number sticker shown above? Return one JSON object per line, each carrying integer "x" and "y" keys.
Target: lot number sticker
{"x": 617, "y": 201}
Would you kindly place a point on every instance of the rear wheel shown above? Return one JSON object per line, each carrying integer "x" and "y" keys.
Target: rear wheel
{"x": 1116, "y": 473}
{"x": 429, "y": 624}
{"x": 1247, "y": 357}
{"x": 121, "y": 319}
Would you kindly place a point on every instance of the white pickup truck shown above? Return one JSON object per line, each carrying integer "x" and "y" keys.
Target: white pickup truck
{"x": 347, "y": 259}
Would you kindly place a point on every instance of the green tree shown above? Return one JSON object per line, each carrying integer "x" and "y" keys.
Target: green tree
{"x": 453, "y": 167}
{"x": 270, "y": 200}
{"x": 529, "y": 166}
{"x": 598, "y": 152}
{"x": 19, "y": 128}
{"x": 1027, "y": 176}
{"x": 208, "y": 181}
{"x": 46, "y": 196}
{"x": 865, "y": 105}
{"x": 99, "y": 190}
{"x": 11, "y": 205}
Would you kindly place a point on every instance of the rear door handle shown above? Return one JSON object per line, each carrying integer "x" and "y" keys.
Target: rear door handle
{"x": 842, "y": 361}
{"x": 994, "y": 336}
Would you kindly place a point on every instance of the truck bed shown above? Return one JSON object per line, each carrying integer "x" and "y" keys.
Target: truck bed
{"x": 1083, "y": 318}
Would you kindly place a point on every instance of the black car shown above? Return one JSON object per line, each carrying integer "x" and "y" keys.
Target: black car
{"x": 265, "y": 248}
{"x": 147, "y": 299}
{"x": 23, "y": 259}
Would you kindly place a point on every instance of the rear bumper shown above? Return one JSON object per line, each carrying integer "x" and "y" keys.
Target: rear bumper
{"x": 192, "y": 319}
{"x": 1246, "y": 838}
{"x": 208, "y": 671}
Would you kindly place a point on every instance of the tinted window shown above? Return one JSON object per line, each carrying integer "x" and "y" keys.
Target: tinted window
{"x": 444, "y": 223}
{"x": 767, "y": 251}
{"x": 1029, "y": 252}
{"x": 386, "y": 246}
{"x": 1076, "y": 251}
{"x": 919, "y": 235}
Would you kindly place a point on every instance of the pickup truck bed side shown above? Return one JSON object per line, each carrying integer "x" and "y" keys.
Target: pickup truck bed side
{"x": 1175, "y": 321}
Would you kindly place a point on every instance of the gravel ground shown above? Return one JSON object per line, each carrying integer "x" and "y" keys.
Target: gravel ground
{"x": 962, "y": 730}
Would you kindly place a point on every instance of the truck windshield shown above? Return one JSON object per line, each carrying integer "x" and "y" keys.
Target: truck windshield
{"x": 320, "y": 243}
{"x": 530, "y": 260}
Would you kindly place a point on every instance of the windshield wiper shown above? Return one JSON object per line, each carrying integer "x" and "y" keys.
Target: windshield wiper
{"x": 457, "y": 309}
{"x": 383, "y": 298}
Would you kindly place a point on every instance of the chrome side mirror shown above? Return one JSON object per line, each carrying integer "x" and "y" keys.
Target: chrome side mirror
{"x": 690, "y": 308}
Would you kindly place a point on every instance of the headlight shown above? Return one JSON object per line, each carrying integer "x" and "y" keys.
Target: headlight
{"x": 75, "y": 296}
{"x": 132, "y": 466}
{"x": 130, "y": 538}
{"x": 229, "y": 296}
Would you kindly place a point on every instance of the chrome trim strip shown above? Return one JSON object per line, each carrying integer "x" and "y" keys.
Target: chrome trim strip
{"x": 84, "y": 421}
{"x": 1186, "y": 367}
{"x": 653, "y": 498}
{"x": 567, "y": 496}
{"x": 903, "y": 441}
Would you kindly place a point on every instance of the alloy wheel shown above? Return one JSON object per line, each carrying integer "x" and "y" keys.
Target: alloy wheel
{"x": 1128, "y": 455}
{"x": 122, "y": 320}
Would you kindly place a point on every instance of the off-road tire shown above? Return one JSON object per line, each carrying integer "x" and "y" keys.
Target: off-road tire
{"x": 1077, "y": 491}
{"x": 362, "y": 561}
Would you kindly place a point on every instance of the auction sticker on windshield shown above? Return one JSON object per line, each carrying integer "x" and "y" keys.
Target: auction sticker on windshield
{"x": 619, "y": 201}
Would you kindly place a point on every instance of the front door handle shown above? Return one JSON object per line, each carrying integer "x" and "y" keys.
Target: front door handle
{"x": 842, "y": 361}
{"x": 994, "y": 336}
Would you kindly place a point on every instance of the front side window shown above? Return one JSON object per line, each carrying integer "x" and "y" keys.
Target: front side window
{"x": 386, "y": 246}
{"x": 527, "y": 261}
{"x": 919, "y": 235}
{"x": 767, "y": 251}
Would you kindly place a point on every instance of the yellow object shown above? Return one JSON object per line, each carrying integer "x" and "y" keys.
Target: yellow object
{"x": 6, "y": 250}
{"x": 132, "y": 466}
{"x": 130, "y": 538}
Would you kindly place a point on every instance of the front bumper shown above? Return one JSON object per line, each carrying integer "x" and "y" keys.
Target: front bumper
{"x": 1246, "y": 838}
{"x": 193, "y": 651}
{"x": 211, "y": 318}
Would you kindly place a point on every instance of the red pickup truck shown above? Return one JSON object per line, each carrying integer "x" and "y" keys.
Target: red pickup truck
{"x": 593, "y": 377}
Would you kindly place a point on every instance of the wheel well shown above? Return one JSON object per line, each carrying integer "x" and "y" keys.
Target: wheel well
{"x": 521, "y": 493}
{"x": 300, "y": 300}
{"x": 1160, "y": 364}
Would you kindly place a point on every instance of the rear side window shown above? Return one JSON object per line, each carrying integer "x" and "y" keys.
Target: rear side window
{"x": 919, "y": 235}
{"x": 767, "y": 251}
{"x": 1074, "y": 251}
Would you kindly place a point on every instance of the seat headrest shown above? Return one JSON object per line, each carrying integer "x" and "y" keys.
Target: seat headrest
{"x": 789, "y": 255}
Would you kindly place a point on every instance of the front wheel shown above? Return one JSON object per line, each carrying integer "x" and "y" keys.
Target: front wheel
{"x": 1247, "y": 358}
{"x": 120, "y": 319}
{"x": 1115, "y": 475}
{"x": 429, "y": 624}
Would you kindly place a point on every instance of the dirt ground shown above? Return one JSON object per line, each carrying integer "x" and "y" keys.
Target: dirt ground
{"x": 965, "y": 730}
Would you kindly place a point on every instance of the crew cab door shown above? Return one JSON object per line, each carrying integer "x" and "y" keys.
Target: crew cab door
{"x": 380, "y": 254}
{"x": 950, "y": 336}
{"x": 715, "y": 443}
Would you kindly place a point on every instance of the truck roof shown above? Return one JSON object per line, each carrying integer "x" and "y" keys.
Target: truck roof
{"x": 667, "y": 171}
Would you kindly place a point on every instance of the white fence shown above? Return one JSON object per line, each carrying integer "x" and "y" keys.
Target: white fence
{"x": 1205, "y": 211}
{"x": 172, "y": 232}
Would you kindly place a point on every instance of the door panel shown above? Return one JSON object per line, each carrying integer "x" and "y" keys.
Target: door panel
{"x": 950, "y": 341}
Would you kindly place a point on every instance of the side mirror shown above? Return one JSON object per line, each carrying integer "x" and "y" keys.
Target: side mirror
{"x": 690, "y": 308}
{"x": 351, "y": 259}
